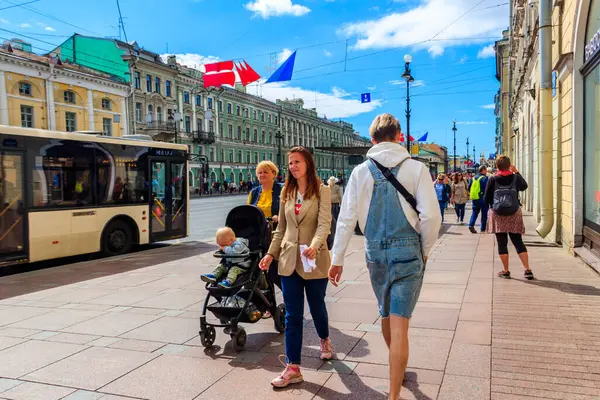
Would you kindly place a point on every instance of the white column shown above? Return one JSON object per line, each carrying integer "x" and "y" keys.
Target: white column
{"x": 124, "y": 120}
{"x": 180, "y": 109}
{"x": 3, "y": 101}
{"x": 90, "y": 110}
{"x": 195, "y": 126}
{"x": 50, "y": 105}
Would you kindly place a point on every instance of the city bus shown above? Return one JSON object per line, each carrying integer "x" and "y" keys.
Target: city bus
{"x": 70, "y": 193}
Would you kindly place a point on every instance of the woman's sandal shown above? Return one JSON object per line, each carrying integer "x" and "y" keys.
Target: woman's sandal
{"x": 504, "y": 274}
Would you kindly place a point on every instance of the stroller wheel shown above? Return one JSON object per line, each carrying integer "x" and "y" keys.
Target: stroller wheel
{"x": 279, "y": 318}
{"x": 238, "y": 340}
{"x": 207, "y": 336}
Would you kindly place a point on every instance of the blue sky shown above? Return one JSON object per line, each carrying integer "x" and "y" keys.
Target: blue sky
{"x": 449, "y": 40}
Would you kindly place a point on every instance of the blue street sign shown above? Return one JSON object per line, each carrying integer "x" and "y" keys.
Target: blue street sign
{"x": 365, "y": 98}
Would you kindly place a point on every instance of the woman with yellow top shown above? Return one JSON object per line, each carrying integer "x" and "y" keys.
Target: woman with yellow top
{"x": 266, "y": 197}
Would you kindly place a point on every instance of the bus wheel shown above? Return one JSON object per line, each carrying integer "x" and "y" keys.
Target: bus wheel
{"x": 117, "y": 239}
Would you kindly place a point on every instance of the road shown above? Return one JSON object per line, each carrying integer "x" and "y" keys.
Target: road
{"x": 207, "y": 214}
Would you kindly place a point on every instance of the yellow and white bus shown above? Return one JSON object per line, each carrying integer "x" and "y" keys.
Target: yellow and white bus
{"x": 64, "y": 194}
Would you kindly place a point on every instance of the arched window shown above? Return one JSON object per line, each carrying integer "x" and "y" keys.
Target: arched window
{"x": 159, "y": 115}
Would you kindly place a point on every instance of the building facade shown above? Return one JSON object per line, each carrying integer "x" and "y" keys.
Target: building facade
{"x": 503, "y": 127}
{"x": 574, "y": 175}
{"x": 42, "y": 92}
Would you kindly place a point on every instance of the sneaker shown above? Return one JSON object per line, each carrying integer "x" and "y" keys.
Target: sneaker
{"x": 208, "y": 278}
{"x": 225, "y": 284}
{"x": 472, "y": 229}
{"x": 326, "y": 349}
{"x": 457, "y": 220}
{"x": 289, "y": 375}
{"x": 528, "y": 275}
{"x": 504, "y": 274}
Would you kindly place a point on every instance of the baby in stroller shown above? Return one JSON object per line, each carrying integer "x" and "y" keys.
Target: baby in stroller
{"x": 229, "y": 268}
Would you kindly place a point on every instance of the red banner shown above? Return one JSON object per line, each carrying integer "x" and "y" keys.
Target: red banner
{"x": 221, "y": 78}
{"x": 219, "y": 66}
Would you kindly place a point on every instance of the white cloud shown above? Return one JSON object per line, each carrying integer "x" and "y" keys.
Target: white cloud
{"x": 49, "y": 29}
{"x": 472, "y": 123}
{"x": 284, "y": 55}
{"x": 327, "y": 53}
{"x": 486, "y": 52}
{"x": 418, "y": 25}
{"x": 371, "y": 88}
{"x": 489, "y": 106}
{"x": 24, "y": 25}
{"x": 275, "y": 8}
{"x": 402, "y": 82}
{"x": 333, "y": 105}
{"x": 4, "y": 21}
{"x": 192, "y": 60}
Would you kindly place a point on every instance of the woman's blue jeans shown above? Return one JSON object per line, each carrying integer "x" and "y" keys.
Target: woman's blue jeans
{"x": 442, "y": 208}
{"x": 293, "y": 288}
{"x": 460, "y": 211}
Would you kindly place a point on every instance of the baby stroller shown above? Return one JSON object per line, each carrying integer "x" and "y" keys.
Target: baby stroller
{"x": 252, "y": 294}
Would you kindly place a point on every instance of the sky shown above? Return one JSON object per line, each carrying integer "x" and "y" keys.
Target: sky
{"x": 344, "y": 48}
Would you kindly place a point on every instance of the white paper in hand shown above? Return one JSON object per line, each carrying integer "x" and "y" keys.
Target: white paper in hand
{"x": 308, "y": 264}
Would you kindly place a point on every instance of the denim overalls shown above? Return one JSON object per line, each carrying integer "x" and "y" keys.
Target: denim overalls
{"x": 393, "y": 250}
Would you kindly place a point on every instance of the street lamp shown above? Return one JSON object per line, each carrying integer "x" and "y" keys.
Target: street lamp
{"x": 454, "y": 130}
{"x": 408, "y": 77}
{"x": 177, "y": 119}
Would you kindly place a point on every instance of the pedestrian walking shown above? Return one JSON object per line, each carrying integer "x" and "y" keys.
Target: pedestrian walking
{"x": 459, "y": 197}
{"x": 300, "y": 246}
{"x": 476, "y": 192}
{"x": 267, "y": 196}
{"x": 505, "y": 214}
{"x": 442, "y": 191}
{"x": 393, "y": 200}
{"x": 336, "y": 196}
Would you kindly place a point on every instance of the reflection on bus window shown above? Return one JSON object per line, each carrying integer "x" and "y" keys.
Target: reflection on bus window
{"x": 122, "y": 177}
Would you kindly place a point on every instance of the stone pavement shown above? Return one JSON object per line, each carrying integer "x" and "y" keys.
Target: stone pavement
{"x": 473, "y": 336}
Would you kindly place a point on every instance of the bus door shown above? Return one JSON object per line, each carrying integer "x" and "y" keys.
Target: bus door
{"x": 13, "y": 218}
{"x": 169, "y": 199}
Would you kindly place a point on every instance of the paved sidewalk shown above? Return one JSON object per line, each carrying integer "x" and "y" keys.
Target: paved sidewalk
{"x": 473, "y": 336}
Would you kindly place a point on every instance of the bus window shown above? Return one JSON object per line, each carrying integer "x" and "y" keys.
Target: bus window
{"x": 122, "y": 174}
{"x": 62, "y": 175}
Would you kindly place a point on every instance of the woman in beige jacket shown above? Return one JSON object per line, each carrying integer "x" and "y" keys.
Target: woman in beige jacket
{"x": 301, "y": 236}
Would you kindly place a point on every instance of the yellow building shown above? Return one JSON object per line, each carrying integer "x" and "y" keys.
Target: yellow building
{"x": 40, "y": 92}
{"x": 573, "y": 177}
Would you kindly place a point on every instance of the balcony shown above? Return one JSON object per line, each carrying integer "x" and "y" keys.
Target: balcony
{"x": 204, "y": 137}
{"x": 160, "y": 127}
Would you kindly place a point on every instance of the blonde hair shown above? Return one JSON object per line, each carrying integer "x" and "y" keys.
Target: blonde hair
{"x": 224, "y": 233}
{"x": 441, "y": 176}
{"x": 384, "y": 128}
{"x": 270, "y": 165}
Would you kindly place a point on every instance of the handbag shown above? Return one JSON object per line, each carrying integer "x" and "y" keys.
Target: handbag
{"x": 392, "y": 179}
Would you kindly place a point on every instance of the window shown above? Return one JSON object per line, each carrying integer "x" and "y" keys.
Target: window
{"x": 248, "y": 158}
{"x": 136, "y": 80}
{"x": 25, "y": 89}
{"x": 222, "y": 155}
{"x": 239, "y": 157}
{"x": 239, "y": 133}
{"x": 270, "y": 118}
{"x": 255, "y": 138}
{"x": 230, "y": 131}
{"x": 168, "y": 88}
{"x": 211, "y": 126}
{"x": 71, "y": 121}
{"x": 121, "y": 175}
{"x": 231, "y": 156}
{"x": 275, "y": 120}
{"x": 209, "y": 102}
{"x": 107, "y": 126}
{"x": 228, "y": 108}
{"x": 188, "y": 124}
{"x": 198, "y": 100}
{"x": 255, "y": 158}
{"x": 63, "y": 175}
{"x": 138, "y": 112}
{"x": 212, "y": 154}
{"x": 159, "y": 115}
{"x": 247, "y": 137}
{"x": 262, "y": 138}
{"x": 186, "y": 97}
{"x": 262, "y": 117}
{"x": 199, "y": 124}
{"x": 69, "y": 97}
{"x": 148, "y": 84}
{"x": 27, "y": 117}
{"x": 263, "y": 157}
{"x": 246, "y": 112}
{"x": 220, "y": 106}
{"x": 237, "y": 110}
{"x": 254, "y": 114}
{"x": 106, "y": 104}
{"x": 270, "y": 138}
{"x": 157, "y": 85}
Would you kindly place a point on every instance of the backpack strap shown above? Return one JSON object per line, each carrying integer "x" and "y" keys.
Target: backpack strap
{"x": 392, "y": 179}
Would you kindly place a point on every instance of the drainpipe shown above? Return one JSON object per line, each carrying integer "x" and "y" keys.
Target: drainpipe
{"x": 545, "y": 151}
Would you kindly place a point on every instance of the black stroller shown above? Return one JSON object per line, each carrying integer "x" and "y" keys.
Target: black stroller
{"x": 252, "y": 293}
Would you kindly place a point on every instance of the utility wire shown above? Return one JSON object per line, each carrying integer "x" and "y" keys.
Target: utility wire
{"x": 18, "y": 5}
{"x": 121, "y": 22}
